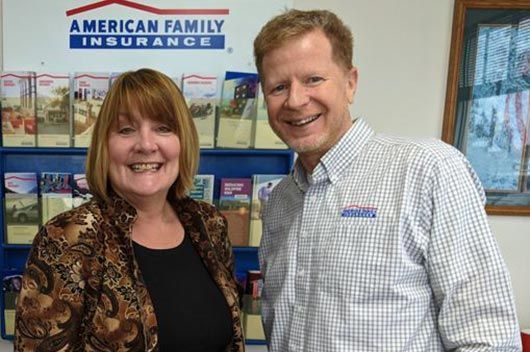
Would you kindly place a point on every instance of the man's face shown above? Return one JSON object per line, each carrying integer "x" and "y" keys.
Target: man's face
{"x": 308, "y": 94}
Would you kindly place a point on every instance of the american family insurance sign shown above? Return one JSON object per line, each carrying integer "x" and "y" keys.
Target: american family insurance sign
{"x": 160, "y": 28}
{"x": 71, "y": 35}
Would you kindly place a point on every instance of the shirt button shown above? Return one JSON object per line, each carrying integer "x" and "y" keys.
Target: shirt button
{"x": 301, "y": 273}
{"x": 299, "y": 309}
{"x": 303, "y": 234}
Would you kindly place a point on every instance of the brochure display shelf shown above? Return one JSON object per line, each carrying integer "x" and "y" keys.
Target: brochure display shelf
{"x": 223, "y": 163}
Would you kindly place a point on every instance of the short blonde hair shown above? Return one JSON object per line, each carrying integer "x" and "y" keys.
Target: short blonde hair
{"x": 295, "y": 23}
{"x": 155, "y": 95}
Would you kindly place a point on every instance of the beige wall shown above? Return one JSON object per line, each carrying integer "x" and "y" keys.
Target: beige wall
{"x": 402, "y": 51}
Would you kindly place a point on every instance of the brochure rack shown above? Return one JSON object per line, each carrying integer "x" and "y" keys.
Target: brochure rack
{"x": 223, "y": 163}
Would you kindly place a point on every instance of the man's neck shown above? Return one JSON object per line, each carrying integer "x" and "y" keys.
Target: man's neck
{"x": 309, "y": 162}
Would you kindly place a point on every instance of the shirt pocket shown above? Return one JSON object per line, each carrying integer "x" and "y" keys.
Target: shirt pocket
{"x": 358, "y": 258}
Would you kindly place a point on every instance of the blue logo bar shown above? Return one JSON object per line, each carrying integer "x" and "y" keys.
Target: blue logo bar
{"x": 83, "y": 41}
{"x": 359, "y": 212}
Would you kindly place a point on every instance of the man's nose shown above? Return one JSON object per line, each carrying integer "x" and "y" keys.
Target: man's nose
{"x": 298, "y": 96}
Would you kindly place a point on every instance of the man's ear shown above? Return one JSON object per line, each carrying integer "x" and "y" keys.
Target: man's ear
{"x": 351, "y": 82}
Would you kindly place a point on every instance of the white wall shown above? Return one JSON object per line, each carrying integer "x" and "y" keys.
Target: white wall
{"x": 402, "y": 53}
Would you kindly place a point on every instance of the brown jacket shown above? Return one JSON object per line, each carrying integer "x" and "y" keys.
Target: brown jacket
{"x": 83, "y": 291}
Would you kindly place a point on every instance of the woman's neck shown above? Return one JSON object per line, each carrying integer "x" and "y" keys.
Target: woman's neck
{"x": 157, "y": 226}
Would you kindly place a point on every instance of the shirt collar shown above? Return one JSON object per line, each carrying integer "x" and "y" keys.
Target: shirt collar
{"x": 337, "y": 159}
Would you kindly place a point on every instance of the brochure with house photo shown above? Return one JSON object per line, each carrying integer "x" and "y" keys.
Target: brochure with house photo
{"x": 17, "y": 90}
{"x": 53, "y": 110}
{"x": 89, "y": 91}
{"x": 238, "y": 110}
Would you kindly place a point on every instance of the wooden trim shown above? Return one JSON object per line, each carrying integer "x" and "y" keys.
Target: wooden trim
{"x": 457, "y": 37}
{"x": 508, "y": 210}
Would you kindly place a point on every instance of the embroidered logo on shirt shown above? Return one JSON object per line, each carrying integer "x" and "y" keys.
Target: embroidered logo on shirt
{"x": 357, "y": 211}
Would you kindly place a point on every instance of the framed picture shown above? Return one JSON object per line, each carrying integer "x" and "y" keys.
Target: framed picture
{"x": 487, "y": 106}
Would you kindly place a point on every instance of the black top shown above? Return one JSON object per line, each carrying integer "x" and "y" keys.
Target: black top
{"x": 191, "y": 311}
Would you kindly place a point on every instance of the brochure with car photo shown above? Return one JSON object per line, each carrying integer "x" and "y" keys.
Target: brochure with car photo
{"x": 202, "y": 98}
{"x": 21, "y": 207}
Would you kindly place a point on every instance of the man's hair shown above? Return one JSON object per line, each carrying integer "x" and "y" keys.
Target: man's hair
{"x": 295, "y": 23}
{"x": 157, "y": 97}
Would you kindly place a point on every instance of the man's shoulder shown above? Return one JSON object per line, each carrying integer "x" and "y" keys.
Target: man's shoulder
{"x": 280, "y": 195}
{"x": 425, "y": 157}
{"x": 287, "y": 184}
{"x": 417, "y": 149}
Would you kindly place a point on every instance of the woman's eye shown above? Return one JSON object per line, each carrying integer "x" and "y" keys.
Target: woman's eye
{"x": 164, "y": 129}
{"x": 126, "y": 130}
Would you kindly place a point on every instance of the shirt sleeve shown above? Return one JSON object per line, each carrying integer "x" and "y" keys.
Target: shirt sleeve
{"x": 50, "y": 305}
{"x": 468, "y": 276}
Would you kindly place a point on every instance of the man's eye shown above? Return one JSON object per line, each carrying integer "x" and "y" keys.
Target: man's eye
{"x": 278, "y": 89}
{"x": 311, "y": 81}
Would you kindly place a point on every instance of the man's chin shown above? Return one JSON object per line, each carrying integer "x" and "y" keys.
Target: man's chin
{"x": 306, "y": 147}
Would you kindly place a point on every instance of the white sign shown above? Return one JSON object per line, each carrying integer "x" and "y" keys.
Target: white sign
{"x": 116, "y": 35}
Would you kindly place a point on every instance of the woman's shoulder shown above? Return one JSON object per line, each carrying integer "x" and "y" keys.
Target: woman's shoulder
{"x": 83, "y": 220}
{"x": 208, "y": 213}
{"x": 198, "y": 207}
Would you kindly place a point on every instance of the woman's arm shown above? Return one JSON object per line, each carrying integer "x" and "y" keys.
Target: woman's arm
{"x": 51, "y": 304}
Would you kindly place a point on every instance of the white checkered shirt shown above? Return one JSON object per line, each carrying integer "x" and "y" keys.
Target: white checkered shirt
{"x": 385, "y": 247}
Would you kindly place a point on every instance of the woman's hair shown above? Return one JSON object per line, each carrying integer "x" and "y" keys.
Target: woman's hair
{"x": 156, "y": 96}
{"x": 295, "y": 23}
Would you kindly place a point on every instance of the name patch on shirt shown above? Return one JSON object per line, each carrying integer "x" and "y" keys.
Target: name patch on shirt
{"x": 357, "y": 211}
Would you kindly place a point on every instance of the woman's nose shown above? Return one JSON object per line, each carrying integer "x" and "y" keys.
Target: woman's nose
{"x": 146, "y": 141}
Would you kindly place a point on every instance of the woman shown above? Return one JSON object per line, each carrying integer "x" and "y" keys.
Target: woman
{"x": 141, "y": 267}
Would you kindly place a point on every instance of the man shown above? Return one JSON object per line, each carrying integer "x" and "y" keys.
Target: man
{"x": 373, "y": 243}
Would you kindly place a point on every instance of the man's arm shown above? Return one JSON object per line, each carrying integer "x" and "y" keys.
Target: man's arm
{"x": 468, "y": 276}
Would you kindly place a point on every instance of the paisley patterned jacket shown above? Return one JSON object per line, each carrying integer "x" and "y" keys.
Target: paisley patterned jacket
{"x": 82, "y": 289}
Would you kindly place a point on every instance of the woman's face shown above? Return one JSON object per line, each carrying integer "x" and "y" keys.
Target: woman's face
{"x": 143, "y": 157}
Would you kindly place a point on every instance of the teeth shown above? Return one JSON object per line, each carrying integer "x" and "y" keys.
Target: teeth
{"x": 145, "y": 167}
{"x": 304, "y": 121}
